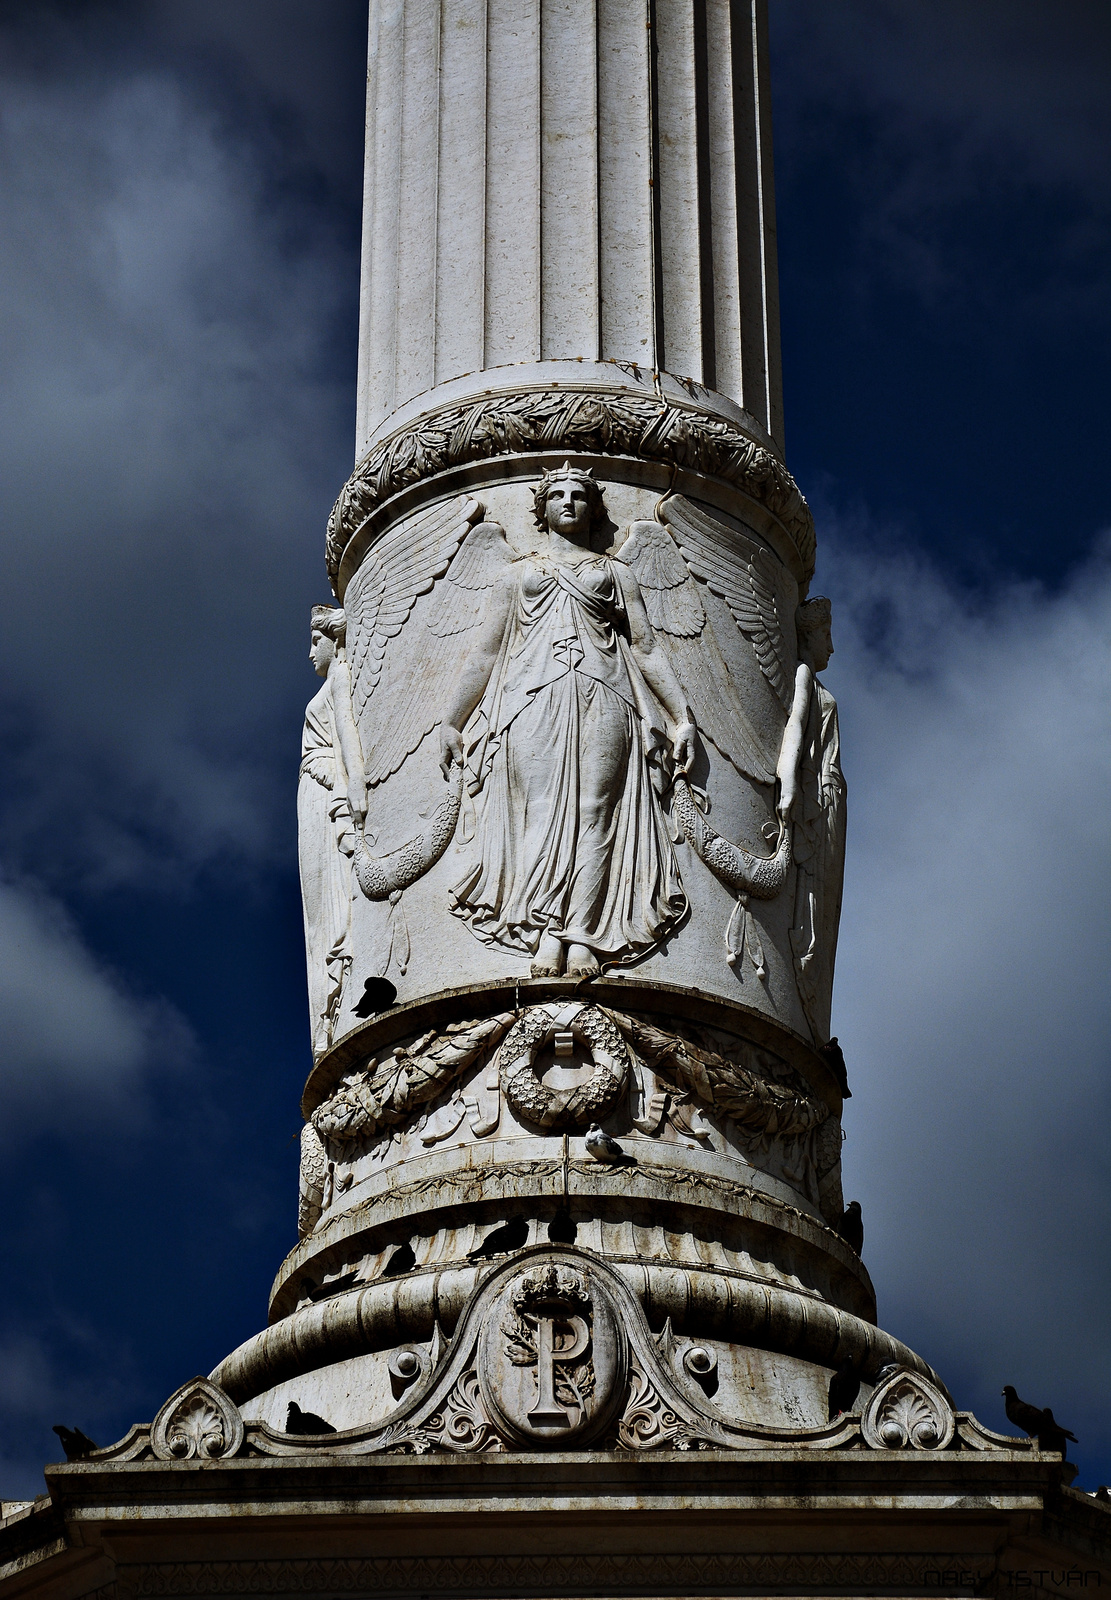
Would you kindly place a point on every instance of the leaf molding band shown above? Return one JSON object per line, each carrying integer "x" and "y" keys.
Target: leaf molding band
{"x": 577, "y": 421}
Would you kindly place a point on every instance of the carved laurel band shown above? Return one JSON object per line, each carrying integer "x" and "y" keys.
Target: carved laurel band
{"x": 580, "y": 421}
{"x": 389, "y": 1090}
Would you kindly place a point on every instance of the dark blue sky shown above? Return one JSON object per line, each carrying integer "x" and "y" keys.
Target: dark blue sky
{"x": 179, "y": 279}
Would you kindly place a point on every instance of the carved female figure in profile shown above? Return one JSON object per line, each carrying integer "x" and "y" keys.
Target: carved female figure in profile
{"x": 812, "y": 797}
{"x": 331, "y": 807}
{"x": 579, "y": 715}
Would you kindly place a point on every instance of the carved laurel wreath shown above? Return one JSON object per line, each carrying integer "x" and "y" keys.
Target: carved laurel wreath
{"x": 532, "y": 1100}
{"x": 580, "y": 421}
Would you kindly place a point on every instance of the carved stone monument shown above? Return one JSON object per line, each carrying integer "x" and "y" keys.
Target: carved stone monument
{"x": 572, "y": 824}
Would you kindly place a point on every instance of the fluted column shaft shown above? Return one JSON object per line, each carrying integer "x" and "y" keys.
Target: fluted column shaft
{"x": 552, "y": 179}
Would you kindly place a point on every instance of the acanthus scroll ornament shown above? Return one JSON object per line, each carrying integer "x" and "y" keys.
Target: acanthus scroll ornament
{"x": 649, "y": 1423}
{"x": 460, "y": 1425}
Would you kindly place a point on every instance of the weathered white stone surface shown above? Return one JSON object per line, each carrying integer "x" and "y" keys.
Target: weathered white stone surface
{"x": 571, "y": 719}
{"x": 764, "y": 1387}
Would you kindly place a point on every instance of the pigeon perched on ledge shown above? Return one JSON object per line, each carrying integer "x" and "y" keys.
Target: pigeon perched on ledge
{"x": 844, "y": 1387}
{"x": 1039, "y": 1424}
{"x": 335, "y": 1286}
{"x": 298, "y": 1421}
{"x": 851, "y": 1226}
{"x": 77, "y": 1445}
{"x": 378, "y": 995}
{"x": 403, "y": 1260}
{"x": 563, "y": 1229}
{"x": 510, "y": 1236}
{"x": 834, "y": 1058}
{"x": 603, "y": 1148}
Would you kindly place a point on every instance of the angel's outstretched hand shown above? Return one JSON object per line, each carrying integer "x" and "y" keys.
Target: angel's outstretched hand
{"x": 451, "y": 747}
{"x": 684, "y": 746}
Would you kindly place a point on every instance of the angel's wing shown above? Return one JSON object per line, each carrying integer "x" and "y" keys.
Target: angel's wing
{"x": 747, "y": 577}
{"x": 400, "y": 690}
{"x": 676, "y": 612}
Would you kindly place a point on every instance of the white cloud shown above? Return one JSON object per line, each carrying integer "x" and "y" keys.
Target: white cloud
{"x": 75, "y": 1042}
{"x": 972, "y": 995}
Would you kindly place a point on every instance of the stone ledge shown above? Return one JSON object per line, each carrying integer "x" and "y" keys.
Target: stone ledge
{"x": 671, "y": 1525}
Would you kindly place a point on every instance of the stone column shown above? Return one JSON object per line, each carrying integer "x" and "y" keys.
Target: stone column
{"x": 571, "y": 807}
{"x": 585, "y": 180}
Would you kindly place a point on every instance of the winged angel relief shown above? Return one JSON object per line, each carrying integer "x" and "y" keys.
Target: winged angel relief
{"x": 568, "y": 690}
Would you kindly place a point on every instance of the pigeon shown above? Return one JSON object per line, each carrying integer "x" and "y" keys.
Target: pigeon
{"x": 378, "y": 995}
{"x": 298, "y": 1421}
{"x": 1103, "y": 1495}
{"x": 562, "y": 1229}
{"x": 1038, "y": 1424}
{"x": 402, "y": 1260}
{"x": 335, "y": 1286}
{"x": 603, "y": 1148}
{"x": 844, "y": 1387}
{"x": 834, "y": 1058}
{"x": 851, "y": 1226}
{"x": 77, "y": 1445}
{"x": 510, "y": 1236}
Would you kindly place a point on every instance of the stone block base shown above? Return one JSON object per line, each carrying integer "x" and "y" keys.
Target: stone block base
{"x": 551, "y": 1525}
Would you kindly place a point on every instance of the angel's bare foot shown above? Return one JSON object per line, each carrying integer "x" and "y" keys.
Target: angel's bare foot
{"x": 549, "y": 957}
{"x": 581, "y": 962}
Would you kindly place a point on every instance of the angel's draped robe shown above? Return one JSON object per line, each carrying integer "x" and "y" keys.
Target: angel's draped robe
{"x": 568, "y": 737}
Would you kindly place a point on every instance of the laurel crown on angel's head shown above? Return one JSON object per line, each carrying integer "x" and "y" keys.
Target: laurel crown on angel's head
{"x": 813, "y": 615}
{"x": 330, "y": 621}
{"x": 583, "y": 475}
